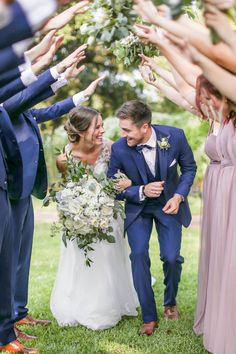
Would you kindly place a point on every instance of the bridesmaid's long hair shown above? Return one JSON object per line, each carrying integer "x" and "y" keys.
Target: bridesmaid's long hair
{"x": 80, "y": 119}
{"x": 203, "y": 83}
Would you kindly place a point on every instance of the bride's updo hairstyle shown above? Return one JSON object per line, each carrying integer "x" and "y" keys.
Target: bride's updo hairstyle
{"x": 80, "y": 119}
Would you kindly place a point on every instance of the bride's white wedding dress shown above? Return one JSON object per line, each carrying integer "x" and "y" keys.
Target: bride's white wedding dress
{"x": 97, "y": 296}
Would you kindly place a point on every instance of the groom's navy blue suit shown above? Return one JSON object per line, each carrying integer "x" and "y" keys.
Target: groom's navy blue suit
{"x": 141, "y": 214}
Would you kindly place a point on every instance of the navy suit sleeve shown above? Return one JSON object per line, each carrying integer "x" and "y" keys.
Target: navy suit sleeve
{"x": 115, "y": 164}
{"x": 18, "y": 28}
{"x": 33, "y": 94}
{"x": 188, "y": 167}
{"x": 9, "y": 75}
{"x": 52, "y": 112}
{"x": 11, "y": 89}
{"x": 9, "y": 59}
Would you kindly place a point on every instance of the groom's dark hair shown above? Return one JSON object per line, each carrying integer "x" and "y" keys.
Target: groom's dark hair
{"x": 137, "y": 111}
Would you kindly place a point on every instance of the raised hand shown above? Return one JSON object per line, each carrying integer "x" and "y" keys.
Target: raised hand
{"x": 73, "y": 71}
{"x": 219, "y": 21}
{"x": 66, "y": 16}
{"x": 42, "y": 47}
{"x": 220, "y": 4}
{"x": 147, "y": 33}
{"x": 148, "y": 61}
{"x": 71, "y": 59}
{"x": 47, "y": 58}
{"x": 146, "y": 9}
{"x": 147, "y": 74}
{"x": 92, "y": 87}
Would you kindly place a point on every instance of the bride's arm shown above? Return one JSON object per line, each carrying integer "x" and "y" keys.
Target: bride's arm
{"x": 61, "y": 163}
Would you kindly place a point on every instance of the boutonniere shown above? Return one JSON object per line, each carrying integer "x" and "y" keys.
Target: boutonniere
{"x": 164, "y": 143}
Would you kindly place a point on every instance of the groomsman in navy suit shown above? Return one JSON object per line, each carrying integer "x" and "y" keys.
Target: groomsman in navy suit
{"x": 32, "y": 177}
{"x": 149, "y": 155}
{"x": 12, "y": 29}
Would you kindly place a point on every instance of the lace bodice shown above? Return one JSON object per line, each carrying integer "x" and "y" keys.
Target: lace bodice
{"x": 101, "y": 165}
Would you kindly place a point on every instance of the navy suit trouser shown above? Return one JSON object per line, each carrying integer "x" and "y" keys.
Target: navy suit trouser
{"x": 169, "y": 232}
{"x": 7, "y": 333}
{"x": 23, "y": 224}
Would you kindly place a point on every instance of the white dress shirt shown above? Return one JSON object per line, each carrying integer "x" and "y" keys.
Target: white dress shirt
{"x": 37, "y": 11}
{"x": 150, "y": 158}
{"x": 150, "y": 154}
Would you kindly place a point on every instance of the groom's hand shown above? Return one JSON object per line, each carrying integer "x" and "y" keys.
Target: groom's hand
{"x": 154, "y": 189}
{"x": 172, "y": 206}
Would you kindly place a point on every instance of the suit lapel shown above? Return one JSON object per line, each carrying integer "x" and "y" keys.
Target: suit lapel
{"x": 140, "y": 163}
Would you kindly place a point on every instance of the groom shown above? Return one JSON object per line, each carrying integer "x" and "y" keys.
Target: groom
{"x": 149, "y": 155}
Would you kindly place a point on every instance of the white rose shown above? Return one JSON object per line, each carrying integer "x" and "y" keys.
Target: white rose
{"x": 106, "y": 211}
{"x": 104, "y": 223}
{"x": 90, "y": 40}
{"x": 84, "y": 28}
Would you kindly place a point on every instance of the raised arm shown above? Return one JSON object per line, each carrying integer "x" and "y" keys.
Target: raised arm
{"x": 169, "y": 92}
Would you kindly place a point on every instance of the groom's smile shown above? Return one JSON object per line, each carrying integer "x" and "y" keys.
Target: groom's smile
{"x": 134, "y": 134}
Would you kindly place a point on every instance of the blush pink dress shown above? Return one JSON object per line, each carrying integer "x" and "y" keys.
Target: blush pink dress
{"x": 205, "y": 285}
{"x": 224, "y": 341}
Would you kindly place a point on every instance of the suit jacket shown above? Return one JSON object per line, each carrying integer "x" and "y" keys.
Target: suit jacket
{"x": 15, "y": 105}
{"x": 11, "y": 88}
{"x": 9, "y": 59}
{"x": 34, "y": 117}
{"x": 131, "y": 162}
{"x": 18, "y": 28}
{"x": 8, "y": 76}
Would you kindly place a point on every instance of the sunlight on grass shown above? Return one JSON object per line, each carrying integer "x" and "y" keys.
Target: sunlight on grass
{"x": 170, "y": 338}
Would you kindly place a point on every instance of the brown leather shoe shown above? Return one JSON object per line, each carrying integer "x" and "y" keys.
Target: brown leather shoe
{"x": 22, "y": 335}
{"x": 171, "y": 313}
{"x": 17, "y": 347}
{"x": 29, "y": 320}
{"x": 148, "y": 328}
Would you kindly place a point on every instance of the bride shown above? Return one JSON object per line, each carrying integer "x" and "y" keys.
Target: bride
{"x": 97, "y": 296}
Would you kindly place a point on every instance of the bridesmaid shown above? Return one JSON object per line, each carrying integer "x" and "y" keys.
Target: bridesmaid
{"x": 216, "y": 269}
{"x": 208, "y": 100}
{"x": 224, "y": 335}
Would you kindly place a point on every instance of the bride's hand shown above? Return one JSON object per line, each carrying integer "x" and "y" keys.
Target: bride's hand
{"x": 122, "y": 184}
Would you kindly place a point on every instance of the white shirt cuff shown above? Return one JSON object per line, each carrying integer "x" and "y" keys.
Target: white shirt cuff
{"x": 27, "y": 76}
{"x": 37, "y": 11}
{"x": 54, "y": 73}
{"x": 20, "y": 47}
{"x": 79, "y": 98}
{"x": 25, "y": 65}
{"x": 141, "y": 195}
{"x": 62, "y": 81}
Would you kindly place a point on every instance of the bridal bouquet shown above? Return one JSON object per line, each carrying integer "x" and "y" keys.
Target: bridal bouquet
{"x": 110, "y": 23}
{"x": 86, "y": 207}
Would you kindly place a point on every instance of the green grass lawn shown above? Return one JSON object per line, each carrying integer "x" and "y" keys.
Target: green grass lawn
{"x": 171, "y": 337}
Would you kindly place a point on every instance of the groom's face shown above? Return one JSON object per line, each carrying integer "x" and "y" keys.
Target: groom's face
{"x": 134, "y": 134}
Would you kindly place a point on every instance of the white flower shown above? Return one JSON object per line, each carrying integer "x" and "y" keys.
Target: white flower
{"x": 84, "y": 28}
{"x": 70, "y": 185}
{"x": 104, "y": 223}
{"x": 101, "y": 16}
{"x": 90, "y": 40}
{"x": 106, "y": 211}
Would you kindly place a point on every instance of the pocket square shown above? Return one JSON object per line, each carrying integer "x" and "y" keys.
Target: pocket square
{"x": 173, "y": 163}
